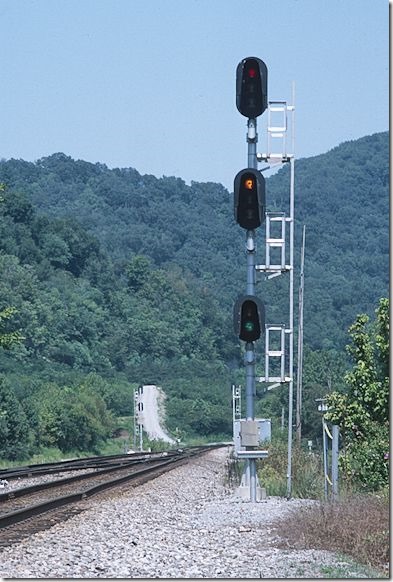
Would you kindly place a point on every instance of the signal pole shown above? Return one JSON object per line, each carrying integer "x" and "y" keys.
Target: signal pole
{"x": 252, "y": 101}
{"x": 249, "y": 190}
{"x": 252, "y": 138}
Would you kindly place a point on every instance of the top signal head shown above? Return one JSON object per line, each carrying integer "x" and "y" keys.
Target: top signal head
{"x": 251, "y": 87}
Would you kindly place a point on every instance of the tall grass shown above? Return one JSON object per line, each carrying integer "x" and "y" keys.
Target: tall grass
{"x": 306, "y": 472}
{"x": 356, "y": 526}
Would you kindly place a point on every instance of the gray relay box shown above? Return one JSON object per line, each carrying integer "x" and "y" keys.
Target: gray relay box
{"x": 251, "y": 433}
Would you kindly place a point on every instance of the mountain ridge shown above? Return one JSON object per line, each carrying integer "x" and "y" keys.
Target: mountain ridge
{"x": 340, "y": 196}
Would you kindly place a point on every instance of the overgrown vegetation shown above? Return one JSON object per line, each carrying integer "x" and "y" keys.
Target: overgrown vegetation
{"x": 306, "y": 474}
{"x": 357, "y": 526}
{"x": 362, "y": 412}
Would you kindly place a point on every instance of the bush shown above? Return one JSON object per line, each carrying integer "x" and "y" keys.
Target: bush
{"x": 70, "y": 418}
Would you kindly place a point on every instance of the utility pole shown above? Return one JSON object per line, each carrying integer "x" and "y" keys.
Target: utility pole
{"x": 299, "y": 380}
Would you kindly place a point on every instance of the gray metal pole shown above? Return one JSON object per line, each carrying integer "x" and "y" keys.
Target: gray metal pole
{"x": 291, "y": 279}
{"x": 233, "y": 413}
{"x": 141, "y": 437}
{"x": 250, "y": 380}
{"x": 252, "y": 138}
{"x": 135, "y": 412}
{"x": 299, "y": 379}
{"x": 251, "y": 248}
{"x": 250, "y": 392}
{"x": 335, "y": 435}
{"x": 325, "y": 460}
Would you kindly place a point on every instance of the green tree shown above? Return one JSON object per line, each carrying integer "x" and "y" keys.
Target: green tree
{"x": 71, "y": 417}
{"x": 14, "y": 428}
{"x": 138, "y": 272}
{"x": 8, "y": 338}
{"x": 323, "y": 372}
{"x": 362, "y": 413}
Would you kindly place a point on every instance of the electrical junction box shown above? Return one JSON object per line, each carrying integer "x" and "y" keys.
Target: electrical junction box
{"x": 249, "y": 431}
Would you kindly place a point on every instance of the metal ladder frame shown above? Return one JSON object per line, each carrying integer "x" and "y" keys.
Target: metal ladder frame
{"x": 270, "y": 268}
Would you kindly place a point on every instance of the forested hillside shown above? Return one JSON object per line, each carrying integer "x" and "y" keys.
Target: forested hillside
{"x": 92, "y": 331}
{"x": 119, "y": 279}
{"x": 342, "y": 197}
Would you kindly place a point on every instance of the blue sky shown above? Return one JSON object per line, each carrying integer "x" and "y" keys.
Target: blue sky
{"x": 150, "y": 84}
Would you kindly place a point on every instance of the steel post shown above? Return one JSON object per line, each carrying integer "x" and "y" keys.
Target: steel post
{"x": 141, "y": 437}
{"x": 135, "y": 417}
{"x": 325, "y": 460}
{"x": 299, "y": 379}
{"x": 291, "y": 279}
{"x": 252, "y": 138}
{"x": 335, "y": 435}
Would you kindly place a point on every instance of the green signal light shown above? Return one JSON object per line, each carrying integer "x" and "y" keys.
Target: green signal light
{"x": 249, "y": 318}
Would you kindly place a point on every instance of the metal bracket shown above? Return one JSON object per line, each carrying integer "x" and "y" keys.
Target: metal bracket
{"x": 252, "y": 454}
{"x": 275, "y": 353}
{"x": 275, "y": 242}
{"x": 277, "y": 129}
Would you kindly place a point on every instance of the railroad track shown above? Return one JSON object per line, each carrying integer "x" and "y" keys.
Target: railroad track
{"x": 35, "y": 501}
{"x": 78, "y": 464}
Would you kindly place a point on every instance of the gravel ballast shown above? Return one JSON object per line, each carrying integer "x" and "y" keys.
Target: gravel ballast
{"x": 184, "y": 524}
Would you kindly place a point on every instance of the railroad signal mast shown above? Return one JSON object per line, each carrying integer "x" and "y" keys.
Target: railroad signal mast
{"x": 249, "y": 208}
{"x": 250, "y": 213}
{"x": 138, "y": 417}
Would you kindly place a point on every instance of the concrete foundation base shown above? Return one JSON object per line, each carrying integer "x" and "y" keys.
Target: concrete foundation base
{"x": 243, "y": 491}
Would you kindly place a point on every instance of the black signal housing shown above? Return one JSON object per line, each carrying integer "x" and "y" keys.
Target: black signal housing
{"x": 251, "y": 87}
{"x": 249, "y": 317}
{"x": 249, "y": 198}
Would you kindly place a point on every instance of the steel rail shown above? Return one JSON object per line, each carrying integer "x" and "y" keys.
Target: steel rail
{"x": 21, "y": 515}
{"x": 88, "y": 462}
{"x": 75, "y": 464}
{"x": 22, "y": 491}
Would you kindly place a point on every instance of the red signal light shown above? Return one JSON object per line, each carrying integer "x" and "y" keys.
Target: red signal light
{"x": 252, "y": 73}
